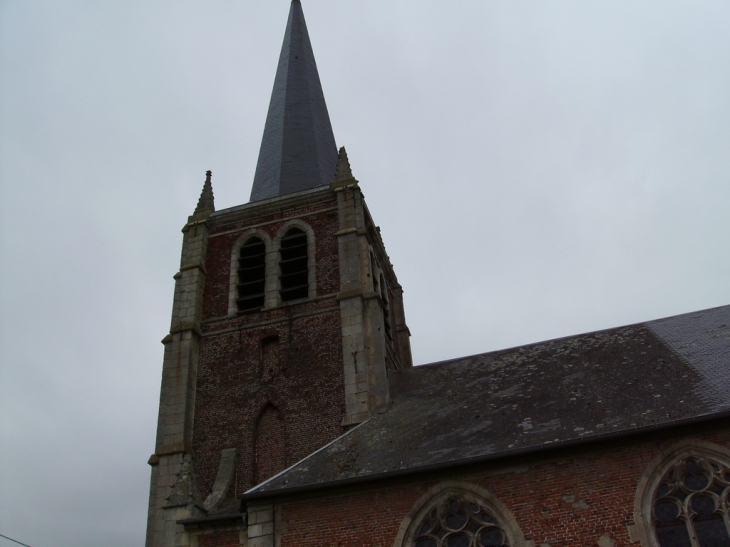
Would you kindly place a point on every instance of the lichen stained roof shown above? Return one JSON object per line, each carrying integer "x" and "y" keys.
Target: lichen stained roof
{"x": 514, "y": 400}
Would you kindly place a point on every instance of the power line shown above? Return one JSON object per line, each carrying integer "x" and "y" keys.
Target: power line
{"x": 15, "y": 540}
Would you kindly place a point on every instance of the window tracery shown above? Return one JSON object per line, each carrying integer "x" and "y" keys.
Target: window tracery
{"x": 690, "y": 505}
{"x": 459, "y": 520}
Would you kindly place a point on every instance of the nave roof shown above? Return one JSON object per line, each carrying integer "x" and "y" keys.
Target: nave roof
{"x": 559, "y": 392}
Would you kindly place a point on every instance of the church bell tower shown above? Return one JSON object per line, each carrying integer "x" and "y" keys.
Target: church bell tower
{"x": 287, "y": 317}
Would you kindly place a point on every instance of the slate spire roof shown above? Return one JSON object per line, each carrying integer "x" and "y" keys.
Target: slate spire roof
{"x": 298, "y": 150}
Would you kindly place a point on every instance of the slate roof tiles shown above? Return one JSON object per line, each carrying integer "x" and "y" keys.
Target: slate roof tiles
{"x": 298, "y": 150}
{"x": 515, "y": 400}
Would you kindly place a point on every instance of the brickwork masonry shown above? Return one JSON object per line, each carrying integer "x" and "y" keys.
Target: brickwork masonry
{"x": 245, "y": 395}
{"x": 581, "y": 499}
{"x": 269, "y": 383}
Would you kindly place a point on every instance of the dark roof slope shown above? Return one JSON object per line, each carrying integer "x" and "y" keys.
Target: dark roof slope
{"x": 298, "y": 149}
{"x": 515, "y": 400}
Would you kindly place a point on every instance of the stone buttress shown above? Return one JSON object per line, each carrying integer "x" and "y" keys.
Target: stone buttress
{"x": 173, "y": 492}
{"x": 374, "y": 334}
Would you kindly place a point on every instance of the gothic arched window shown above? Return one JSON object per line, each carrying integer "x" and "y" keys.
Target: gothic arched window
{"x": 455, "y": 514}
{"x": 294, "y": 264}
{"x": 690, "y": 505}
{"x": 459, "y": 522}
{"x": 251, "y": 275}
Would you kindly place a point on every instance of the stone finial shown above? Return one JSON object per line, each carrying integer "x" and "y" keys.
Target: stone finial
{"x": 205, "y": 203}
{"x": 343, "y": 175}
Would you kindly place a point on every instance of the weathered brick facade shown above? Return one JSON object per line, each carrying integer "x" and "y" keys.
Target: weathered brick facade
{"x": 285, "y": 361}
{"x": 228, "y": 538}
{"x": 266, "y": 387}
{"x": 568, "y": 498}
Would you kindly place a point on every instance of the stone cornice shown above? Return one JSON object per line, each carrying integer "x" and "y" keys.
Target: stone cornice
{"x": 249, "y": 212}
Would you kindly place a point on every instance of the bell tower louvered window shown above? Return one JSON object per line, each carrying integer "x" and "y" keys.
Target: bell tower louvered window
{"x": 294, "y": 265}
{"x": 251, "y": 275}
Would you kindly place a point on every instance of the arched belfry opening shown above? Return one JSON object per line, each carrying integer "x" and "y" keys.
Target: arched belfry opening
{"x": 294, "y": 265}
{"x": 251, "y": 275}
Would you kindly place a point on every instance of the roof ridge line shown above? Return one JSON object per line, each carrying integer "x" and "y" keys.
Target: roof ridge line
{"x": 557, "y": 339}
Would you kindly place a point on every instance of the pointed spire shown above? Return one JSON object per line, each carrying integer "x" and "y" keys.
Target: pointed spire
{"x": 343, "y": 175}
{"x": 205, "y": 203}
{"x": 298, "y": 150}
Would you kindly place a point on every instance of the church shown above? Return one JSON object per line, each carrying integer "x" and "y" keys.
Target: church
{"x": 291, "y": 413}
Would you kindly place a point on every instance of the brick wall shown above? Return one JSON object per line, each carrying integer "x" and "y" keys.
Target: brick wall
{"x": 570, "y": 500}
{"x": 271, "y": 449}
{"x": 287, "y": 359}
{"x": 228, "y": 538}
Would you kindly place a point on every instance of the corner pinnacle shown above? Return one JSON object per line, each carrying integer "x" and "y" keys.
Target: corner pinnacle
{"x": 343, "y": 175}
{"x": 205, "y": 203}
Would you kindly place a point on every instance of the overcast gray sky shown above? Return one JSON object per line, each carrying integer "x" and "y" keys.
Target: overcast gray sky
{"x": 539, "y": 169}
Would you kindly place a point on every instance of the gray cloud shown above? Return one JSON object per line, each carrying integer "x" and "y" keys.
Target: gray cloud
{"x": 538, "y": 170}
